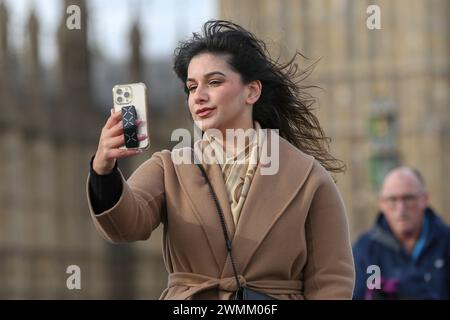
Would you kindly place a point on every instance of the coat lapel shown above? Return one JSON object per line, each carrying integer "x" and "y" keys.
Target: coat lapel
{"x": 268, "y": 197}
{"x": 202, "y": 203}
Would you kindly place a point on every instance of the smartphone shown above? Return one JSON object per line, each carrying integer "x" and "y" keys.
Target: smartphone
{"x": 133, "y": 97}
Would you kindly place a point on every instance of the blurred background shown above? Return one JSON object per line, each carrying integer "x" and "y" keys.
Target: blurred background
{"x": 385, "y": 100}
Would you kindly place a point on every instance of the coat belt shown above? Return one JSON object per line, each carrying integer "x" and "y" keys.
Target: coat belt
{"x": 227, "y": 286}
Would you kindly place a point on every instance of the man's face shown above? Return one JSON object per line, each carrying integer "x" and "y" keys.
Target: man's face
{"x": 403, "y": 201}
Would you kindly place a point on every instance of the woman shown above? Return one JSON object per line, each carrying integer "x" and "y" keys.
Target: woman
{"x": 288, "y": 230}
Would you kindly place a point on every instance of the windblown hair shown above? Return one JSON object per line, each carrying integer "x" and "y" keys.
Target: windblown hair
{"x": 283, "y": 104}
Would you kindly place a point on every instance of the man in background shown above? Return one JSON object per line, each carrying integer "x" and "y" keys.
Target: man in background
{"x": 409, "y": 244}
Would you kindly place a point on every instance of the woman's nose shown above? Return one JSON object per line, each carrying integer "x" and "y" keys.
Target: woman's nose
{"x": 200, "y": 95}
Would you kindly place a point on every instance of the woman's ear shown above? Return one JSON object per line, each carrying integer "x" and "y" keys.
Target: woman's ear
{"x": 254, "y": 92}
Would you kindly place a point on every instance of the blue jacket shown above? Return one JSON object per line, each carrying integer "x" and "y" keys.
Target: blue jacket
{"x": 425, "y": 274}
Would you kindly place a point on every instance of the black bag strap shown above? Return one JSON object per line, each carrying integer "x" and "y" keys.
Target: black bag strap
{"x": 228, "y": 243}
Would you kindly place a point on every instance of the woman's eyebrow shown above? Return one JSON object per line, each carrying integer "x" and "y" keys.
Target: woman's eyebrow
{"x": 209, "y": 74}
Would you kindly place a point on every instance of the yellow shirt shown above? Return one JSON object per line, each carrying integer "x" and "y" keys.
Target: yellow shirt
{"x": 238, "y": 168}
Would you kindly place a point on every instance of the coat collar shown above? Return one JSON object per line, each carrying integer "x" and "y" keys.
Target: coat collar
{"x": 268, "y": 197}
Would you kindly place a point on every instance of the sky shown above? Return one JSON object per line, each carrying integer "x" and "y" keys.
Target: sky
{"x": 162, "y": 22}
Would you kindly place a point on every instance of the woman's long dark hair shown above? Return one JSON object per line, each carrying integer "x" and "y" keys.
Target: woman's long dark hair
{"x": 283, "y": 103}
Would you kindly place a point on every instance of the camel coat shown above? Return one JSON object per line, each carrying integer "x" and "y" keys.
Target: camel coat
{"x": 291, "y": 242}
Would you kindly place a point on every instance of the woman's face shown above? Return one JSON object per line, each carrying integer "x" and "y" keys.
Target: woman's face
{"x": 217, "y": 97}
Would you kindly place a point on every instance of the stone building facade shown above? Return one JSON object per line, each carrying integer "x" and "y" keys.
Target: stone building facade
{"x": 386, "y": 97}
{"x": 50, "y": 124}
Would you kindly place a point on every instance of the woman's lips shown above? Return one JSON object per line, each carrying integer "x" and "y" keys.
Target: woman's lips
{"x": 205, "y": 113}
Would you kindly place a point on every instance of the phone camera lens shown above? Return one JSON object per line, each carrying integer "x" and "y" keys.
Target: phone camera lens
{"x": 119, "y": 91}
{"x": 126, "y": 94}
{"x": 119, "y": 99}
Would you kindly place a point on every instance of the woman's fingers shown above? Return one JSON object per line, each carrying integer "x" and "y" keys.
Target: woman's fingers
{"x": 142, "y": 137}
{"x": 112, "y": 139}
{"x": 123, "y": 153}
{"x": 114, "y": 142}
{"x": 119, "y": 141}
{"x": 117, "y": 129}
{"x": 113, "y": 119}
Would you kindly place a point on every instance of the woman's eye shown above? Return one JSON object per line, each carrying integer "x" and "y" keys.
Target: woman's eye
{"x": 191, "y": 88}
{"x": 214, "y": 82}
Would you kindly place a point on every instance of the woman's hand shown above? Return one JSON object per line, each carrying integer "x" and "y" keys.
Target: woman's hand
{"x": 111, "y": 139}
